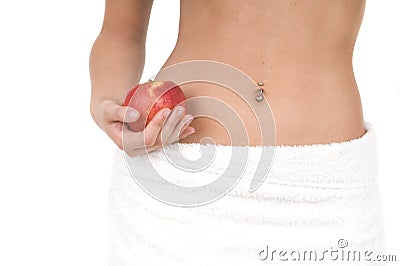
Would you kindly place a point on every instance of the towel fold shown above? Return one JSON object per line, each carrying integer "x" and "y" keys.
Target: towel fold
{"x": 315, "y": 198}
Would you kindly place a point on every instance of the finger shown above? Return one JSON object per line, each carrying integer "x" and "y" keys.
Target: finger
{"x": 153, "y": 129}
{"x": 182, "y": 125}
{"x": 173, "y": 119}
{"x": 187, "y": 132}
{"x": 135, "y": 152}
{"x": 115, "y": 112}
{"x": 134, "y": 140}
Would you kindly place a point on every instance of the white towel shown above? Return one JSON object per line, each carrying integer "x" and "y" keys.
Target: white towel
{"x": 316, "y": 199}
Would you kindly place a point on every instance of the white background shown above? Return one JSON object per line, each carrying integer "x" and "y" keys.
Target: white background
{"x": 55, "y": 162}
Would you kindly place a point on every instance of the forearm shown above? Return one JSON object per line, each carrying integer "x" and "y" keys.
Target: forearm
{"x": 116, "y": 65}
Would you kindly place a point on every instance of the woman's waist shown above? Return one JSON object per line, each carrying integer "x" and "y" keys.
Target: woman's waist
{"x": 283, "y": 74}
{"x": 311, "y": 101}
{"x": 263, "y": 57}
{"x": 300, "y": 116}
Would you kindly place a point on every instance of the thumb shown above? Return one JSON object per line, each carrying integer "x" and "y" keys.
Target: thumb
{"x": 129, "y": 114}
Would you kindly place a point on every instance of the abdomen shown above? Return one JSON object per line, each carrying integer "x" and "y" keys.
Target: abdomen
{"x": 302, "y": 51}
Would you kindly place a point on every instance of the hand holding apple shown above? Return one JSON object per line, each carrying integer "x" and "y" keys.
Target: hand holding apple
{"x": 157, "y": 124}
{"x": 150, "y": 97}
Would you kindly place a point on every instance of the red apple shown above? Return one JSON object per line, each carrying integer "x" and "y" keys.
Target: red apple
{"x": 150, "y": 97}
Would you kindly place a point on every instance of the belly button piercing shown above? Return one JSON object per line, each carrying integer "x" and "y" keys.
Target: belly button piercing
{"x": 260, "y": 92}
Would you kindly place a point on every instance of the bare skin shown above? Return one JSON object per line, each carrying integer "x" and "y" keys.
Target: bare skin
{"x": 116, "y": 65}
{"x": 301, "y": 50}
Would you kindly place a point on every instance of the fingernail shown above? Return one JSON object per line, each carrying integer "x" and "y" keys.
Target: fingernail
{"x": 179, "y": 110}
{"x": 166, "y": 112}
{"x": 192, "y": 130}
{"x": 132, "y": 113}
{"x": 187, "y": 122}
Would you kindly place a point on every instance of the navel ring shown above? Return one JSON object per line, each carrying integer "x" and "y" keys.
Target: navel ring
{"x": 260, "y": 92}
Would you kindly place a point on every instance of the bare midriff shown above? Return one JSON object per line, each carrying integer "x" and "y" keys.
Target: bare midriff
{"x": 301, "y": 50}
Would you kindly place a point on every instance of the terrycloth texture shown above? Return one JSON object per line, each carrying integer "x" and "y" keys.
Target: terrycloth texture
{"x": 313, "y": 196}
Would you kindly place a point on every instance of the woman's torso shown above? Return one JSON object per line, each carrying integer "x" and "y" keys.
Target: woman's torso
{"x": 301, "y": 50}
